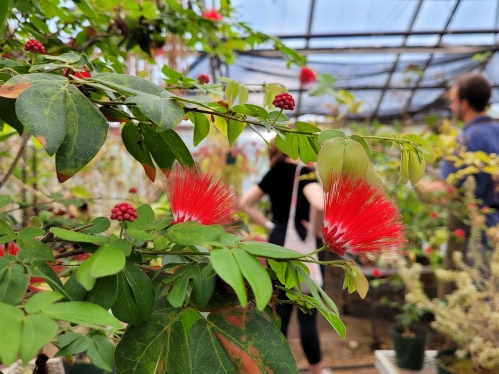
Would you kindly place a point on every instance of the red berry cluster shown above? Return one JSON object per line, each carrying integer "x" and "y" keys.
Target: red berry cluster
{"x": 123, "y": 212}
{"x": 284, "y": 101}
{"x": 35, "y": 46}
{"x": 203, "y": 79}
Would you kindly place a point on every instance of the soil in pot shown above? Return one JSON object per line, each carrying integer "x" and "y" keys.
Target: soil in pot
{"x": 463, "y": 365}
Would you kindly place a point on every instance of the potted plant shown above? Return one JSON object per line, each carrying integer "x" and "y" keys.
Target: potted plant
{"x": 469, "y": 315}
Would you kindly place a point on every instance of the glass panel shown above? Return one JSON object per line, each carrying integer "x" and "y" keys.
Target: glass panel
{"x": 433, "y": 15}
{"x": 475, "y": 14}
{"x": 393, "y": 102}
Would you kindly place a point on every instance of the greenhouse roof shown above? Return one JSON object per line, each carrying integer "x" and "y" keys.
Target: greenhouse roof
{"x": 398, "y": 57}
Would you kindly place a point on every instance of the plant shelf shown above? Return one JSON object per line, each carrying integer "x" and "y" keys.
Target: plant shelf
{"x": 385, "y": 363}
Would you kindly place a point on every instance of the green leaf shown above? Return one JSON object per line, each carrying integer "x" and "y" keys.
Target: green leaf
{"x": 262, "y": 249}
{"x": 125, "y": 307}
{"x": 84, "y": 273}
{"x": 160, "y": 243}
{"x": 141, "y": 234}
{"x": 101, "y": 224}
{"x": 158, "y": 148}
{"x": 361, "y": 283}
{"x": 204, "y": 286}
{"x": 138, "y": 148}
{"x": 145, "y": 219}
{"x": 5, "y": 228}
{"x": 176, "y": 145}
{"x": 230, "y": 240}
{"x": 231, "y": 91}
{"x": 177, "y": 294}
{"x": 307, "y": 152}
{"x": 128, "y": 83}
{"x": 142, "y": 288}
{"x": 4, "y": 10}
{"x": 306, "y": 127}
{"x": 87, "y": 9}
{"x": 430, "y": 157}
{"x": 201, "y": 126}
{"x": 101, "y": 352}
{"x": 39, "y": 300}
{"x": 11, "y": 336}
{"x": 40, "y": 268}
{"x": 8, "y": 114}
{"x": 4, "y": 200}
{"x": 13, "y": 282}
{"x": 233, "y": 337}
{"x": 234, "y": 129}
{"x": 417, "y": 167}
{"x": 124, "y": 245}
{"x": 192, "y": 233}
{"x": 86, "y": 132}
{"x": 227, "y": 268}
{"x": 363, "y": 143}
{"x": 243, "y": 94}
{"x": 34, "y": 250}
{"x": 18, "y": 83}
{"x": 72, "y": 236}
{"x": 109, "y": 259}
{"x": 329, "y": 134}
{"x": 257, "y": 111}
{"x": 289, "y": 145}
{"x": 75, "y": 289}
{"x": 104, "y": 292}
{"x": 256, "y": 275}
{"x": 38, "y": 330}
{"x": 161, "y": 110}
{"x": 30, "y": 232}
{"x": 82, "y": 313}
{"x": 159, "y": 346}
{"x": 79, "y": 344}
{"x": 242, "y": 109}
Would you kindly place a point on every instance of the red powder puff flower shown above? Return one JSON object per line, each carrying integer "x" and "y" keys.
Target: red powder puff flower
{"x": 376, "y": 273}
{"x": 198, "y": 196}
{"x": 459, "y": 233}
{"x": 212, "y": 14}
{"x": 307, "y": 76}
{"x": 428, "y": 250}
{"x": 359, "y": 218}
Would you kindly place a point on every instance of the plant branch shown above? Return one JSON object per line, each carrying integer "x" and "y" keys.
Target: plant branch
{"x": 20, "y": 153}
{"x": 69, "y": 254}
{"x": 110, "y": 103}
{"x": 174, "y": 253}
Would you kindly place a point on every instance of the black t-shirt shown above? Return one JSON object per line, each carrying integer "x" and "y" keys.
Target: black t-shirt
{"x": 278, "y": 184}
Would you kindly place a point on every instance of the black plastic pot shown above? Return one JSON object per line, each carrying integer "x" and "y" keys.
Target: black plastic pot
{"x": 444, "y": 352}
{"x": 409, "y": 351}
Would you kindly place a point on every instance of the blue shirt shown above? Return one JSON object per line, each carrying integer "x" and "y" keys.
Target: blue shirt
{"x": 480, "y": 134}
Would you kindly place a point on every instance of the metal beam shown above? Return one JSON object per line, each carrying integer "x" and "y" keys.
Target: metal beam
{"x": 395, "y": 64}
{"x": 428, "y": 62}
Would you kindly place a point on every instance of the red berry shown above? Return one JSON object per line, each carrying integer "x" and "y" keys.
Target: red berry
{"x": 130, "y": 211}
{"x": 284, "y": 101}
{"x": 126, "y": 216}
{"x": 203, "y": 79}
{"x": 113, "y": 210}
{"x": 113, "y": 216}
{"x": 120, "y": 218}
{"x": 376, "y": 273}
{"x": 132, "y": 219}
{"x": 135, "y": 214}
{"x": 123, "y": 208}
{"x": 34, "y": 45}
{"x": 132, "y": 190}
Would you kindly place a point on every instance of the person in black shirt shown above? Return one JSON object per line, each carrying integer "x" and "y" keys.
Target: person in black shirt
{"x": 278, "y": 185}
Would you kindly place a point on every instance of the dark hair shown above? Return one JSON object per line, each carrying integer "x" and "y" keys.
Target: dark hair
{"x": 474, "y": 88}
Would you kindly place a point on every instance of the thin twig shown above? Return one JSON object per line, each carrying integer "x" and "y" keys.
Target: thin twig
{"x": 69, "y": 254}
{"x": 20, "y": 153}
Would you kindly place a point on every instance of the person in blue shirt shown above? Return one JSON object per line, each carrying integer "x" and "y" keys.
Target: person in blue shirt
{"x": 468, "y": 101}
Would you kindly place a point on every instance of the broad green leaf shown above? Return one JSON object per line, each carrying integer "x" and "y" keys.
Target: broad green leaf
{"x": 40, "y": 268}
{"x": 138, "y": 148}
{"x": 128, "y": 83}
{"x": 124, "y": 245}
{"x": 192, "y": 233}
{"x": 101, "y": 352}
{"x": 163, "y": 112}
{"x": 104, "y": 292}
{"x": 34, "y": 250}
{"x": 125, "y": 307}
{"x": 159, "y": 346}
{"x": 329, "y": 134}
{"x": 256, "y": 275}
{"x": 306, "y": 127}
{"x": 17, "y": 84}
{"x": 430, "y": 157}
{"x": 231, "y": 91}
{"x": 84, "y": 273}
{"x": 221, "y": 124}
{"x": 11, "y": 336}
{"x": 227, "y": 268}
{"x": 188, "y": 317}
{"x": 4, "y": 10}
{"x": 204, "y": 286}
{"x": 5, "y": 228}
{"x": 257, "y": 111}
{"x": 307, "y": 152}
{"x": 8, "y": 114}
{"x": 4, "y": 200}
{"x": 13, "y": 282}
{"x": 109, "y": 259}
{"x": 141, "y": 234}
{"x": 72, "y": 236}
{"x": 42, "y": 111}
{"x": 363, "y": 143}
{"x": 289, "y": 145}
{"x": 39, "y": 300}
{"x": 69, "y": 57}
{"x": 82, "y": 313}
{"x": 416, "y": 167}
{"x": 404, "y": 165}
{"x": 361, "y": 283}
{"x": 251, "y": 343}
{"x": 74, "y": 288}
{"x": 177, "y": 294}
{"x": 242, "y": 109}
{"x": 201, "y": 126}
{"x": 160, "y": 243}
{"x": 30, "y": 232}
{"x": 101, "y": 224}
{"x": 177, "y": 147}
{"x": 79, "y": 344}
{"x": 86, "y": 132}
{"x": 86, "y": 8}
{"x": 142, "y": 288}
{"x": 262, "y": 249}
{"x": 158, "y": 148}
{"x": 230, "y": 240}
{"x": 145, "y": 219}
{"x": 243, "y": 94}
{"x": 234, "y": 129}
{"x": 38, "y": 330}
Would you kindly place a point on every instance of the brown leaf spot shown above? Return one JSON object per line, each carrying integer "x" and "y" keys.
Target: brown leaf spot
{"x": 12, "y": 91}
{"x": 235, "y": 316}
{"x": 244, "y": 338}
{"x": 161, "y": 366}
{"x": 42, "y": 140}
{"x": 242, "y": 360}
{"x": 150, "y": 171}
{"x": 62, "y": 178}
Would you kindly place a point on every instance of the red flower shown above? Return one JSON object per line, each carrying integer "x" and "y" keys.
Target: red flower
{"x": 212, "y": 14}
{"x": 82, "y": 74}
{"x": 428, "y": 250}
{"x": 307, "y": 76}
{"x": 359, "y": 218}
{"x": 376, "y": 273}
{"x": 198, "y": 196}
{"x": 12, "y": 248}
{"x": 459, "y": 233}
{"x": 433, "y": 215}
